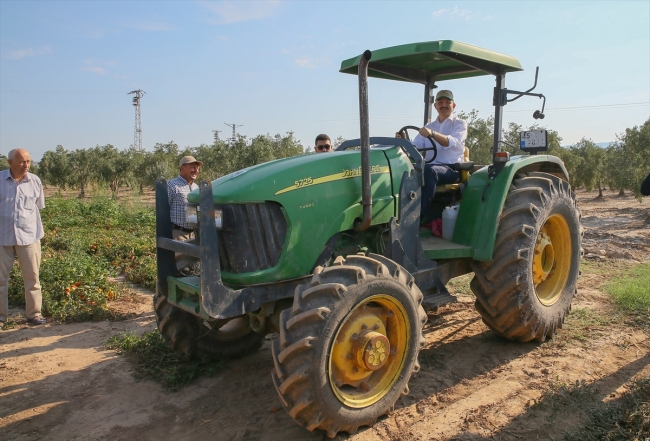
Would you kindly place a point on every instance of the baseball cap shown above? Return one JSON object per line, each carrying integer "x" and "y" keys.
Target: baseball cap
{"x": 445, "y": 94}
{"x": 189, "y": 160}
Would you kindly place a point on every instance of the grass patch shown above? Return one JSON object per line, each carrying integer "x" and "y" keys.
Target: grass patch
{"x": 603, "y": 267}
{"x": 154, "y": 359}
{"x": 12, "y": 322}
{"x": 460, "y": 285}
{"x": 627, "y": 418}
{"x": 582, "y": 325}
{"x": 631, "y": 290}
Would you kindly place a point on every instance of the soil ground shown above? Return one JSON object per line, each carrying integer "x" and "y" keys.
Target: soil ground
{"x": 57, "y": 381}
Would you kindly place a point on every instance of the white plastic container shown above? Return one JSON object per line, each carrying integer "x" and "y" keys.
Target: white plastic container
{"x": 449, "y": 216}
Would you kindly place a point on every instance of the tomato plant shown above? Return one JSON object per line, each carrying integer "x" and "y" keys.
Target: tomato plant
{"x": 85, "y": 243}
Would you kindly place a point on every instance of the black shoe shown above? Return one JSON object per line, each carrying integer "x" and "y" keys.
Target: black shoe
{"x": 38, "y": 320}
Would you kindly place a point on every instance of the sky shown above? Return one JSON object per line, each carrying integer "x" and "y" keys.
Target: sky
{"x": 271, "y": 67}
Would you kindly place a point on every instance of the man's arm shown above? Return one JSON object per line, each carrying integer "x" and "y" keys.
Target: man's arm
{"x": 40, "y": 203}
{"x": 171, "y": 192}
{"x": 454, "y": 141}
{"x": 421, "y": 139}
{"x": 441, "y": 139}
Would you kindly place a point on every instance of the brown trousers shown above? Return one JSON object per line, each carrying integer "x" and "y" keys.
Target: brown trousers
{"x": 29, "y": 259}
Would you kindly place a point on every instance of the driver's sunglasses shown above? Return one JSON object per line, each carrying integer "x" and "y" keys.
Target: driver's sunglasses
{"x": 322, "y": 148}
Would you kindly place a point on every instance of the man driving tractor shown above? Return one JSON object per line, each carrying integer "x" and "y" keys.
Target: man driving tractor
{"x": 449, "y": 132}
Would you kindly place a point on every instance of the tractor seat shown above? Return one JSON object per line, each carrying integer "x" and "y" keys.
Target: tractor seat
{"x": 464, "y": 168}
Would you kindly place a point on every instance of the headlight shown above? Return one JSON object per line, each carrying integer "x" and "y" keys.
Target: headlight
{"x": 218, "y": 218}
{"x": 192, "y": 216}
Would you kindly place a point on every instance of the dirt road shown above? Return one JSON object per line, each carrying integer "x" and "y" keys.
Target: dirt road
{"x": 58, "y": 383}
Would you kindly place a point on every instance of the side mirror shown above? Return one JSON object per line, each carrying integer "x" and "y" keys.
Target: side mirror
{"x": 538, "y": 115}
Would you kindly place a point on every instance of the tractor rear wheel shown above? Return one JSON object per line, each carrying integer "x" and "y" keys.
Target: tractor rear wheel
{"x": 348, "y": 346}
{"x": 192, "y": 336}
{"x": 525, "y": 291}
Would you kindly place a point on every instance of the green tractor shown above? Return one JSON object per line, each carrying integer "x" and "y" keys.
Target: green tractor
{"x": 327, "y": 251}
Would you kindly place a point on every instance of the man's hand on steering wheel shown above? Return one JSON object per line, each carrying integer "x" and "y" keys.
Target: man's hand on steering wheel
{"x": 426, "y": 132}
{"x": 402, "y": 133}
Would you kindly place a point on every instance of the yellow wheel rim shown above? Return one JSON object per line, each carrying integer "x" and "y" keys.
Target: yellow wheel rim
{"x": 552, "y": 259}
{"x": 369, "y": 351}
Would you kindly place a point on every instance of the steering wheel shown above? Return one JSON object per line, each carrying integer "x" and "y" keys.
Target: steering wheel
{"x": 430, "y": 138}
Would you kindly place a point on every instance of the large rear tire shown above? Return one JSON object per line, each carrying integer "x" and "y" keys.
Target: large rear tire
{"x": 525, "y": 291}
{"x": 348, "y": 346}
{"x": 191, "y": 336}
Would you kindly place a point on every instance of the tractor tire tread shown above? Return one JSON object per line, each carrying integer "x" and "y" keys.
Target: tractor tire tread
{"x": 504, "y": 290}
{"x": 300, "y": 328}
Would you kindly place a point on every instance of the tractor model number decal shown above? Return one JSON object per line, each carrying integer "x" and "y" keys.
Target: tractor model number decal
{"x": 303, "y": 182}
{"x": 346, "y": 174}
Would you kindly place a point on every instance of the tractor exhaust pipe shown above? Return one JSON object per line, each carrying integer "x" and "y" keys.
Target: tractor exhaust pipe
{"x": 366, "y": 199}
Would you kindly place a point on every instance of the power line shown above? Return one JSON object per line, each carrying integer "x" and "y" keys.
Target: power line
{"x": 137, "y": 137}
{"x": 59, "y": 91}
{"x": 599, "y": 106}
{"x": 379, "y": 118}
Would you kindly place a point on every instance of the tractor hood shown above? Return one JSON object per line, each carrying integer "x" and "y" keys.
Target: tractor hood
{"x": 295, "y": 206}
{"x": 286, "y": 179}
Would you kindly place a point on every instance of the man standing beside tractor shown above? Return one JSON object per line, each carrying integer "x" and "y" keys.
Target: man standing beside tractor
{"x": 21, "y": 231}
{"x": 177, "y": 191}
{"x": 449, "y": 132}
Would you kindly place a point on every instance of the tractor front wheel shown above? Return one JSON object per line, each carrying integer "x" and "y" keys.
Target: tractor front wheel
{"x": 348, "y": 346}
{"x": 525, "y": 291}
{"x": 192, "y": 336}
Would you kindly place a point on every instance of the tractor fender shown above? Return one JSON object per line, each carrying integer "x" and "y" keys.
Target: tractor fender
{"x": 483, "y": 199}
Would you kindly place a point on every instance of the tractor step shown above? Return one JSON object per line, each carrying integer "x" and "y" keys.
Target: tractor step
{"x": 438, "y": 248}
{"x": 434, "y": 301}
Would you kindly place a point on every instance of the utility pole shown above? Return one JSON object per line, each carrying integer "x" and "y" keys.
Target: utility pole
{"x": 234, "y": 134}
{"x": 216, "y": 135}
{"x": 137, "y": 138}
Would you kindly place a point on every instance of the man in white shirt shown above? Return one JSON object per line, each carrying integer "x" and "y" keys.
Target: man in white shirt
{"x": 21, "y": 231}
{"x": 449, "y": 133}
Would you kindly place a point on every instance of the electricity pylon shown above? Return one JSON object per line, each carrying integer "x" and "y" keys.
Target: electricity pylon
{"x": 137, "y": 137}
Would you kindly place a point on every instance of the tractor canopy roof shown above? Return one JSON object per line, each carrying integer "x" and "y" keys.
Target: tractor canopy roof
{"x": 433, "y": 61}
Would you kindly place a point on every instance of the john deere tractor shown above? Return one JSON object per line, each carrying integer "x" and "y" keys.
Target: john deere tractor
{"x": 327, "y": 251}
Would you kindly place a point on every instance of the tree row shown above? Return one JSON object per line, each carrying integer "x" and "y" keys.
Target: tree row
{"x": 620, "y": 167}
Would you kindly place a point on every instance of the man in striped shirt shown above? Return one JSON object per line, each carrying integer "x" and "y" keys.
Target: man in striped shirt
{"x": 177, "y": 191}
{"x": 21, "y": 231}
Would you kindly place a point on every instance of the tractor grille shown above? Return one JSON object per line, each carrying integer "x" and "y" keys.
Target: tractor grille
{"x": 252, "y": 236}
